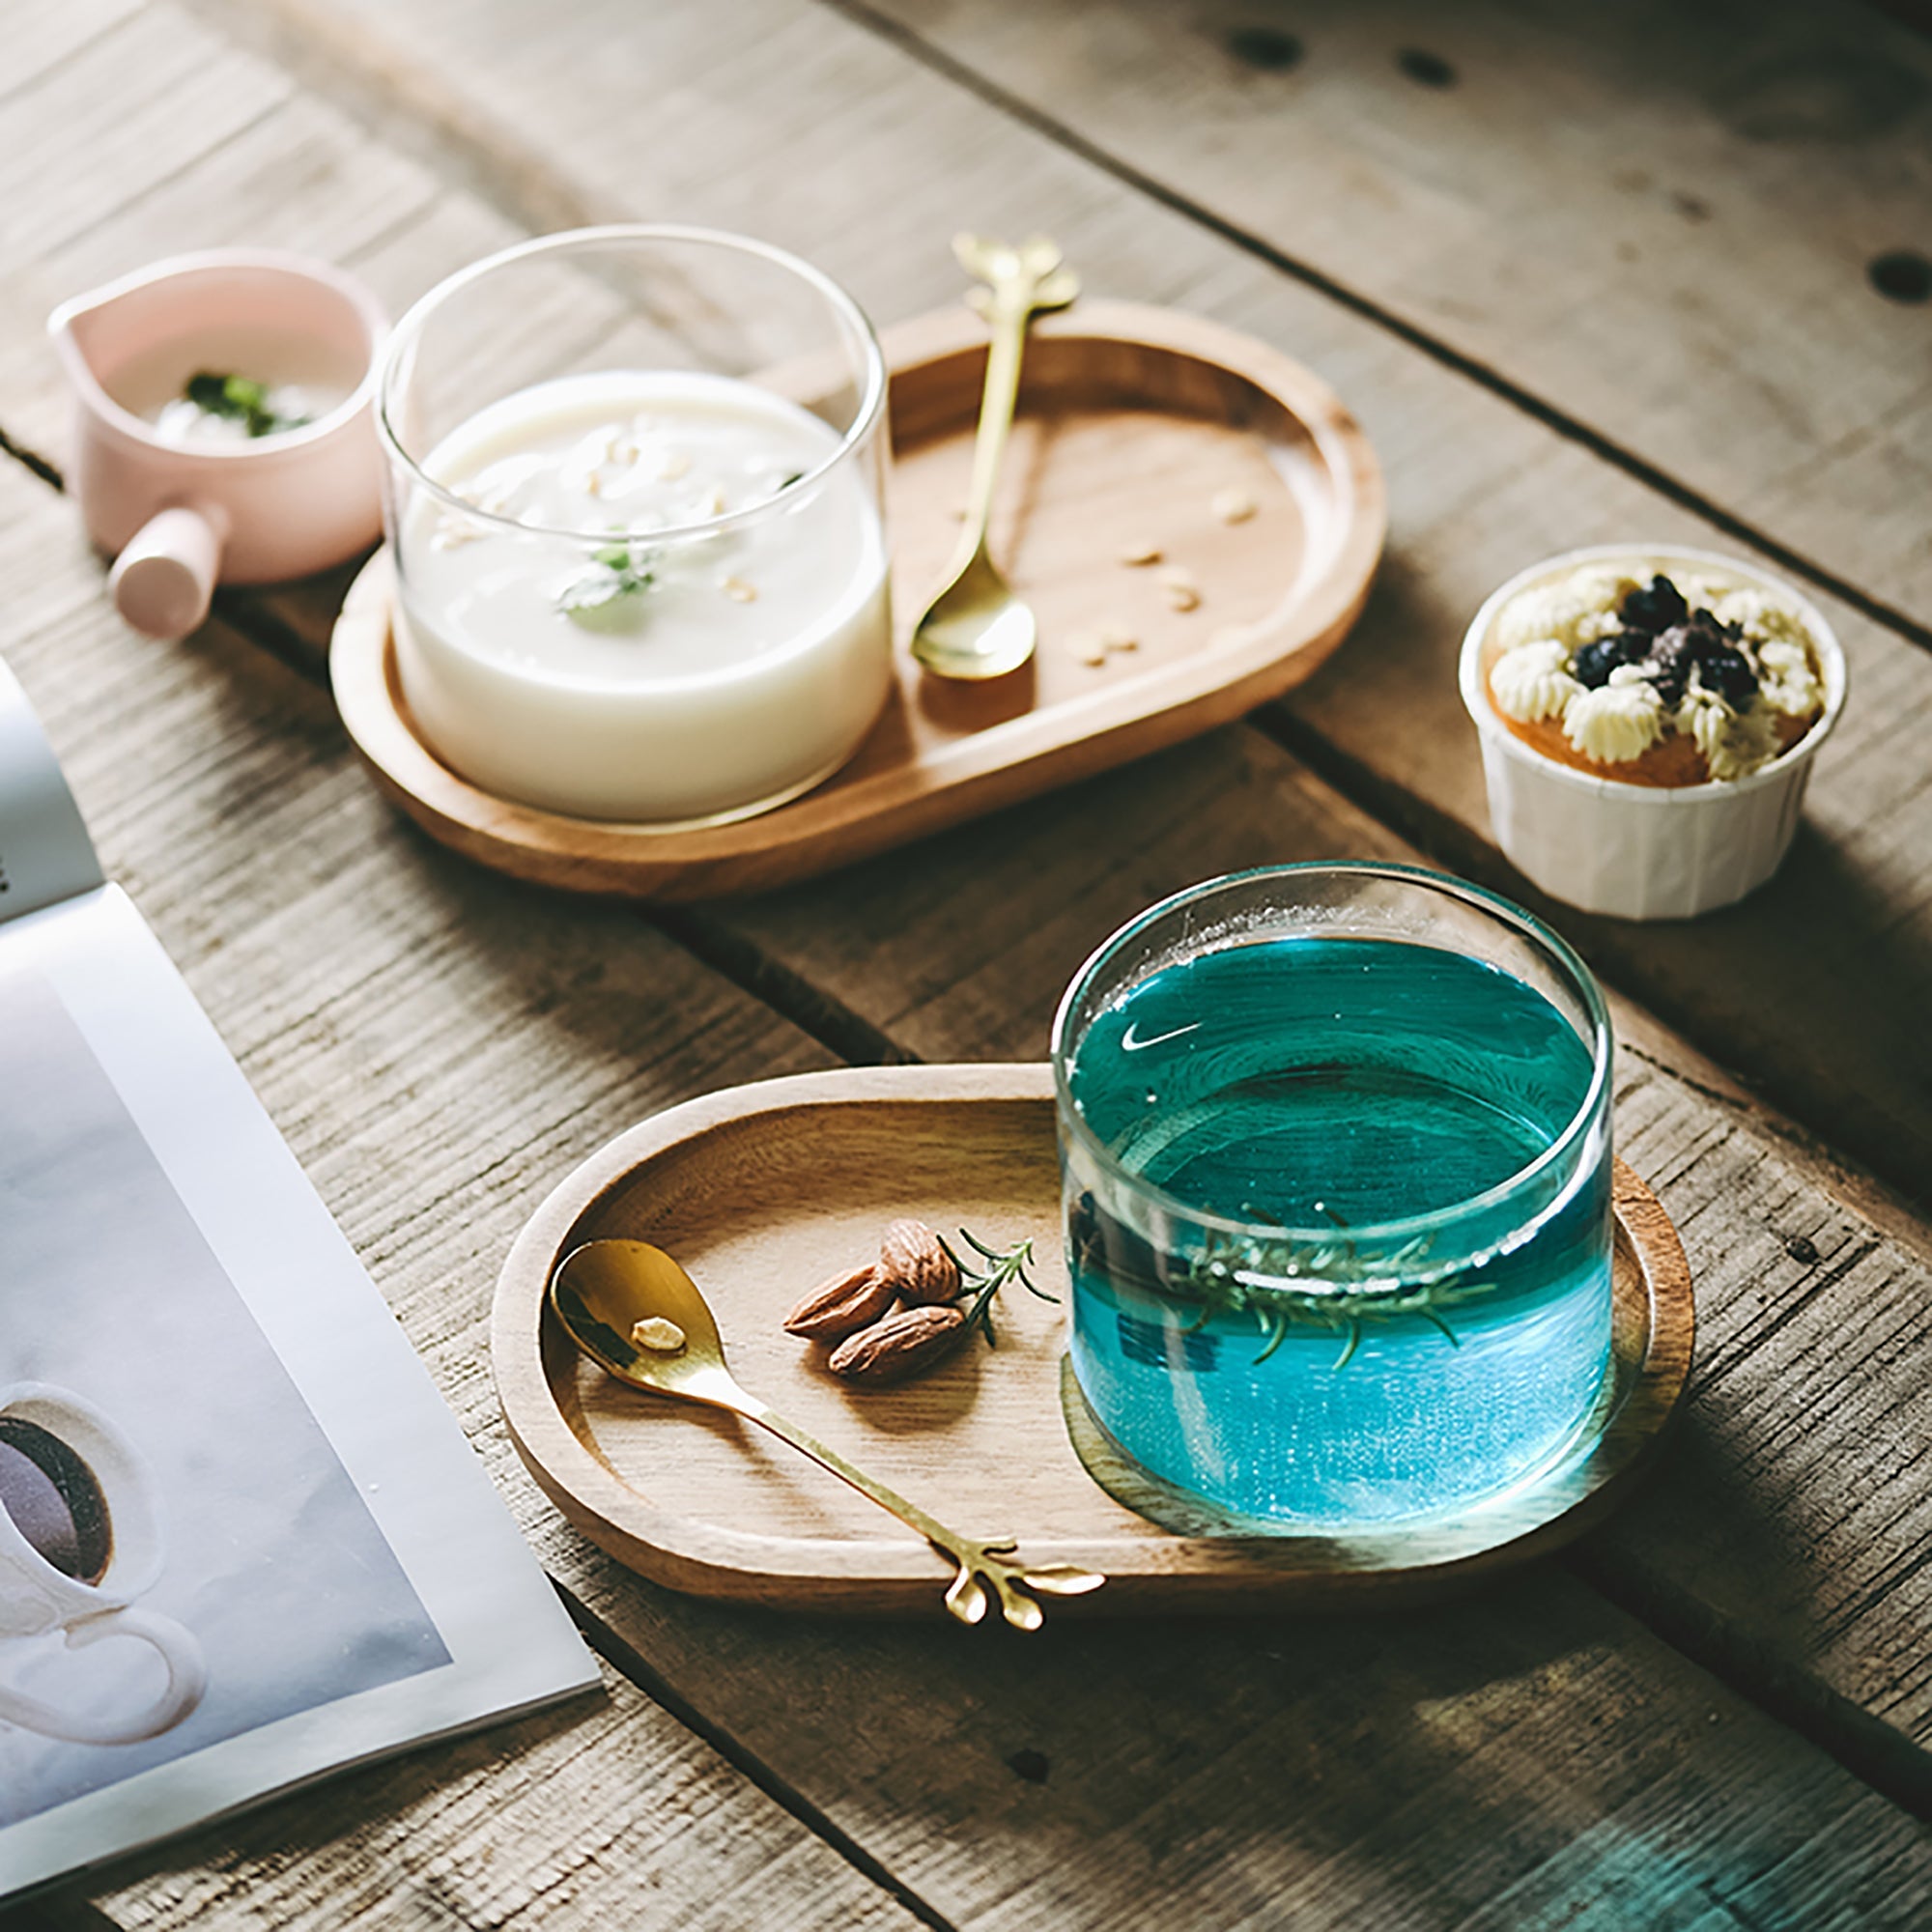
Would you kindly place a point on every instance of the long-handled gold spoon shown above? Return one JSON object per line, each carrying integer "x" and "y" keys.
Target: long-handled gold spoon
{"x": 975, "y": 627}
{"x": 640, "y": 1318}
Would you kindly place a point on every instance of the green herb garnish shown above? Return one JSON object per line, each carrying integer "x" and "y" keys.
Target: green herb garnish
{"x": 240, "y": 398}
{"x": 603, "y": 599}
{"x": 1347, "y": 1291}
{"x": 979, "y": 1285}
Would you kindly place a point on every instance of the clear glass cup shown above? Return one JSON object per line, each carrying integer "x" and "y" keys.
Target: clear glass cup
{"x": 1336, "y": 1150}
{"x": 635, "y": 495}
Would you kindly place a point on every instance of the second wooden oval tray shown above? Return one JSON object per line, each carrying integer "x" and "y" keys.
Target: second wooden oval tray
{"x": 763, "y": 1191}
{"x": 1133, "y": 421}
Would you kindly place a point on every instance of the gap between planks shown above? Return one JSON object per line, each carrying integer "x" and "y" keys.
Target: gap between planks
{"x": 1452, "y": 842}
{"x": 814, "y": 1011}
{"x": 631, "y": 1663}
{"x": 778, "y": 987}
{"x": 1864, "y": 1747}
{"x": 1471, "y": 367}
{"x": 858, "y": 1041}
{"x": 437, "y": 124}
{"x": 397, "y": 87}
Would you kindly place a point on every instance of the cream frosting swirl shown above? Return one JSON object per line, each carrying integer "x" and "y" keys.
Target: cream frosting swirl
{"x": 1532, "y": 681}
{"x": 1788, "y": 683}
{"x": 1617, "y": 721}
{"x": 1575, "y": 609}
{"x": 1760, "y": 616}
{"x": 1735, "y": 744}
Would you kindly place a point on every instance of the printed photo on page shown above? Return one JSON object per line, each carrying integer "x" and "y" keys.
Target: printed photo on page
{"x": 182, "y": 1557}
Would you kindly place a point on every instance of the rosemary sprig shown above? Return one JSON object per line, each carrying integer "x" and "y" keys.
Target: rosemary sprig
{"x": 1002, "y": 1266}
{"x": 1347, "y": 1290}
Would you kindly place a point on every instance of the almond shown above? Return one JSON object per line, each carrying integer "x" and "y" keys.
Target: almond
{"x": 913, "y": 1259}
{"x": 902, "y": 1345}
{"x": 847, "y": 1302}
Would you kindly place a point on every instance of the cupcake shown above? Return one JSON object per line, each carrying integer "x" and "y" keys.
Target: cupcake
{"x": 1648, "y": 719}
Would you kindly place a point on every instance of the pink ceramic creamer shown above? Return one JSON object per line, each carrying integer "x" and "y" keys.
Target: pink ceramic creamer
{"x": 179, "y": 516}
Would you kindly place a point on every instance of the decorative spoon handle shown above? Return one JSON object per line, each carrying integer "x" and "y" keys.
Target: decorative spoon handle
{"x": 1020, "y": 283}
{"x": 979, "y": 1564}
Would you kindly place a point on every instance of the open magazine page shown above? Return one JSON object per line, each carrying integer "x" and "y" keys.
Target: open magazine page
{"x": 45, "y": 854}
{"x": 241, "y": 1539}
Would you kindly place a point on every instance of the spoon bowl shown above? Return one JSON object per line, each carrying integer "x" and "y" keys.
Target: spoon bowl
{"x": 601, "y": 1290}
{"x": 978, "y": 627}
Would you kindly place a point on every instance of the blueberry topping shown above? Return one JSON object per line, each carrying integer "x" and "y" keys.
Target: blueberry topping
{"x": 1655, "y": 609}
{"x": 1712, "y": 650}
{"x": 1595, "y": 661}
{"x": 1724, "y": 669}
{"x": 1668, "y": 665}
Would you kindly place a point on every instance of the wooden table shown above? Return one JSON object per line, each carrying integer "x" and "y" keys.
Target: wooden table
{"x": 1584, "y": 274}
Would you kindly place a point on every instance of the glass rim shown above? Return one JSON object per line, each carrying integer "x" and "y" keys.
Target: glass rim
{"x": 1379, "y": 1232}
{"x": 416, "y": 317}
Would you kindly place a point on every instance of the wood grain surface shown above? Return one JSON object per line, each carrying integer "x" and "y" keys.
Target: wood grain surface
{"x": 764, "y": 1191}
{"x": 1695, "y": 1718}
{"x": 1694, "y": 235}
{"x": 382, "y": 1102}
{"x": 959, "y": 951}
{"x": 1805, "y": 990}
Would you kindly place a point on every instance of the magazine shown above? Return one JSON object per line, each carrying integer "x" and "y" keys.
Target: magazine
{"x": 243, "y": 1542}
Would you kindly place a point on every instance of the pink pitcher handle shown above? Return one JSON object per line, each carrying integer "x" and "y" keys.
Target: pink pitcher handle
{"x": 162, "y": 581}
{"x": 178, "y": 1651}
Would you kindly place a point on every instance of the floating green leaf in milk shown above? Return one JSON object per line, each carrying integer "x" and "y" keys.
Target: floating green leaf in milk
{"x": 605, "y": 598}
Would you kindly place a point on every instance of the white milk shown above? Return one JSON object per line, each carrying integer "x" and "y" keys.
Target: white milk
{"x": 748, "y": 670}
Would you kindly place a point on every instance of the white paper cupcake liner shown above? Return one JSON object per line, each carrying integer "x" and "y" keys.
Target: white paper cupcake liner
{"x": 1640, "y": 851}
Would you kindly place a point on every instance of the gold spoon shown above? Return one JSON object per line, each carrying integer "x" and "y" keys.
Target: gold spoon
{"x": 975, "y": 627}
{"x": 604, "y": 1293}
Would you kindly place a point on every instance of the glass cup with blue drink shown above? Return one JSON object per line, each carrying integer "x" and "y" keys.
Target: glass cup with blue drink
{"x": 1336, "y": 1145}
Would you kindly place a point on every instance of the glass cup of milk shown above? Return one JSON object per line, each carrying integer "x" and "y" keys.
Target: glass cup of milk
{"x": 635, "y": 498}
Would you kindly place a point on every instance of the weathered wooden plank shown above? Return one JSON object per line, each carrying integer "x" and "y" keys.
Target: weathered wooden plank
{"x": 287, "y": 172}
{"x": 430, "y": 1067}
{"x": 1809, "y": 988}
{"x": 1697, "y": 232}
{"x": 608, "y": 1814}
{"x": 379, "y": 1092}
{"x": 897, "y": 948}
{"x": 132, "y": 137}
{"x": 961, "y": 950}
{"x": 354, "y": 975}
{"x": 1492, "y": 1762}
{"x": 40, "y": 38}
{"x": 1240, "y": 1873}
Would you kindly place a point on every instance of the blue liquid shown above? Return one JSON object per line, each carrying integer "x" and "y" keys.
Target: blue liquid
{"x": 1332, "y": 1085}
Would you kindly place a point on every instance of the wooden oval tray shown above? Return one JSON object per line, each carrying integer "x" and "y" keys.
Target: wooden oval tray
{"x": 763, "y": 1191}
{"x": 1131, "y": 421}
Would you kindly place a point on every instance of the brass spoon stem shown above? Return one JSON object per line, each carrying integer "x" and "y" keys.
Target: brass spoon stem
{"x": 935, "y": 1533}
{"x": 977, "y": 627}
{"x": 1009, "y": 313}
